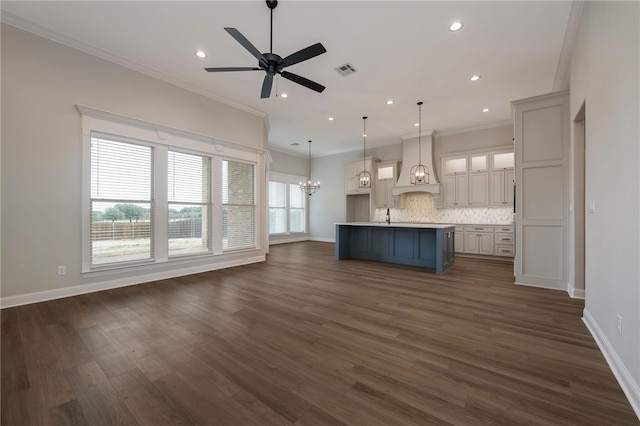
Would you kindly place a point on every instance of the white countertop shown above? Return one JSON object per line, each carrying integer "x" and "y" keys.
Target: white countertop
{"x": 401, "y": 225}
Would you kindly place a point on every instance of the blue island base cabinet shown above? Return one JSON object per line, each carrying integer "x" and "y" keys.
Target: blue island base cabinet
{"x": 430, "y": 246}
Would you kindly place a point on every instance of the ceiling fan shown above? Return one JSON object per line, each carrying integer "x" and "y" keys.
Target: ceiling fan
{"x": 273, "y": 64}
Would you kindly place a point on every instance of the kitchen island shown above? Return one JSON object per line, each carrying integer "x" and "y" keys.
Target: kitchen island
{"x": 430, "y": 245}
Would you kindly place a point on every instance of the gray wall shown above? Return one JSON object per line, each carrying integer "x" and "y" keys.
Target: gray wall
{"x": 604, "y": 76}
{"x": 290, "y": 164}
{"x": 42, "y": 81}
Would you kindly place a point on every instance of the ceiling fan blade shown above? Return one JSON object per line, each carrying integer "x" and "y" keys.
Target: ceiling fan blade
{"x": 303, "y": 81}
{"x": 266, "y": 86}
{"x": 304, "y": 54}
{"x": 232, "y": 69}
{"x": 246, "y": 44}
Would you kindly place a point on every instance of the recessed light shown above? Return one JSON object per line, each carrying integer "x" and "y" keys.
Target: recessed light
{"x": 474, "y": 78}
{"x": 200, "y": 54}
{"x": 389, "y": 102}
{"x": 485, "y": 110}
{"x": 284, "y": 95}
{"x": 455, "y": 26}
{"x": 330, "y": 118}
{"x": 417, "y": 124}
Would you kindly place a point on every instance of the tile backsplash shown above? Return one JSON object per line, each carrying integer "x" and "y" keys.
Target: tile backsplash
{"x": 420, "y": 207}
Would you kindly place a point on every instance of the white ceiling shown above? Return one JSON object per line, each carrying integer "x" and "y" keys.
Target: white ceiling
{"x": 401, "y": 50}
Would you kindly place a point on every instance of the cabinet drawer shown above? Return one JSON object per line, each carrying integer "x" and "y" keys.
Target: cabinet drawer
{"x": 504, "y": 251}
{"x": 478, "y": 228}
{"x": 504, "y": 228}
{"x": 504, "y": 238}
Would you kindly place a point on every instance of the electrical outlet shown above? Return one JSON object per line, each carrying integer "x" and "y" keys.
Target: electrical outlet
{"x": 62, "y": 270}
{"x": 620, "y": 325}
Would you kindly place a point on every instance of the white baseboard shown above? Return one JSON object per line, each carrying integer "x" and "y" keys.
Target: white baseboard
{"x": 275, "y": 241}
{"x": 548, "y": 287}
{"x": 59, "y": 293}
{"x": 323, "y": 240}
{"x": 576, "y": 293}
{"x": 630, "y": 388}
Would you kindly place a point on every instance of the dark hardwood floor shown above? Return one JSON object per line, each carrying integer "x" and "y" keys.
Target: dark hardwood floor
{"x": 306, "y": 340}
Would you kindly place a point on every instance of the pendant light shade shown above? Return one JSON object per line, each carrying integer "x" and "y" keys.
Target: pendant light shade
{"x": 419, "y": 174}
{"x": 308, "y": 187}
{"x": 364, "y": 177}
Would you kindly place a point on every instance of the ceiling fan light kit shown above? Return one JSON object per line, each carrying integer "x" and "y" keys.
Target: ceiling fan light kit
{"x": 274, "y": 64}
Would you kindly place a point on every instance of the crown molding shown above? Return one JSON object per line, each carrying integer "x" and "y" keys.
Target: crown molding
{"x": 25, "y": 25}
{"x": 476, "y": 128}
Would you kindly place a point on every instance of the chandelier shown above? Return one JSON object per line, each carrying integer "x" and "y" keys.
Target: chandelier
{"x": 419, "y": 174}
{"x": 364, "y": 177}
{"x": 308, "y": 187}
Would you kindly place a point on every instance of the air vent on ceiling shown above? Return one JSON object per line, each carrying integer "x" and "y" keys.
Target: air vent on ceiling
{"x": 346, "y": 69}
{"x": 295, "y": 144}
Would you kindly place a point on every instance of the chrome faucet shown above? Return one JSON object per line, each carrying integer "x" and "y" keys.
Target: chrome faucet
{"x": 388, "y": 218}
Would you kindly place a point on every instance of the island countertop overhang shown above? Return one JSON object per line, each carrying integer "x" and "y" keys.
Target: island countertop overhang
{"x": 401, "y": 225}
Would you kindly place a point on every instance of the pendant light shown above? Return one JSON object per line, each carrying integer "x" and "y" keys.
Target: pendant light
{"x": 364, "y": 177}
{"x": 308, "y": 187}
{"x": 419, "y": 174}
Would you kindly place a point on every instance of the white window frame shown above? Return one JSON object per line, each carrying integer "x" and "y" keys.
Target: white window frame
{"x": 289, "y": 179}
{"x": 163, "y": 138}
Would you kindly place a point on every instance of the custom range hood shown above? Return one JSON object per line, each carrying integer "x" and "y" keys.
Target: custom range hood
{"x": 410, "y": 157}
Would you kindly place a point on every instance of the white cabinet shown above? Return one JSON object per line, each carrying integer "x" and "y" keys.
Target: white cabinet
{"x": 502, "y": 187}
{"x": 479, "y": 243}
{"x": 478, "y": 189}
{"x": 504, "y": 241}
{"x": 502, "y": 178}
{"x": 542, "y": 145}
{"x": 459, "y": 239}
{"x": 502, "y": 160}
{"x": 478, "y": 239}
{"x": 478, "y": 163}
{"x": 454, "y": 165}
{"x": 385, "y": 180}
{"x": 478, "y": 180}
{"x": 468, "y": 189}
{"x": 456, "y": 190}
{"x": 487, "y": 240}
{"x": 351, "y": 171}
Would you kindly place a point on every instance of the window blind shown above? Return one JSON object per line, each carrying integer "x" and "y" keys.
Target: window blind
{"x": 121, "y": 208}
{"x": 189, "y": 196}
{"x": 297, "y": 217}
{"x": 239, "y": 205}
{"x": 277, "y": 208}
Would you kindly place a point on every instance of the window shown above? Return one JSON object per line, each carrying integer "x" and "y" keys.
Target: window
{"x": 189, "y": 196}
{"x": 239, "y": 205}
{"x": 297, "y": 200}
{"x": 277, "y": 208}
{"x": 121, "y": 202}
{"x": 154, "y": 195}
{"x": 287, "y": 206}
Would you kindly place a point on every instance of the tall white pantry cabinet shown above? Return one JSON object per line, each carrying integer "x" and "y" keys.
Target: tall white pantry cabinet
{"x": 541, "y": 132}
